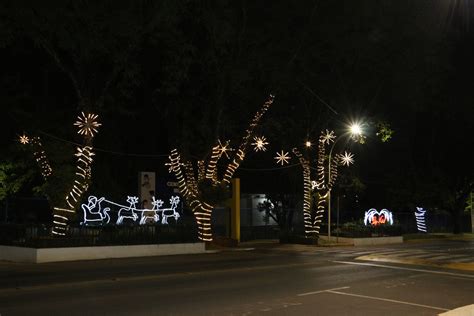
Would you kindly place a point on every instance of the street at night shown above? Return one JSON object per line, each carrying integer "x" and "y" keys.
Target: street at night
{"x": 236, "y": 157}
{"x": 254, "y": 279}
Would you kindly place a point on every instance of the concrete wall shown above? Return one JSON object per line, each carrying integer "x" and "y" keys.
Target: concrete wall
{"x": 17, "y": 254}
{"x": 41, "y": 255}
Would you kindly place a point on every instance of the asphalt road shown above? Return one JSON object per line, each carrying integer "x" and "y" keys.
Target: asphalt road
{"x": 261, "y": 280}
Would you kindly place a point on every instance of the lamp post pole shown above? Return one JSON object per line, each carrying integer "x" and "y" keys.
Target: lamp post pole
{"x": 329, "y": 189}
{"x": 354, "y": 130}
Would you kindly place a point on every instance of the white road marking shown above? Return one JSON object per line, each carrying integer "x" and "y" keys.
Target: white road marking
{"x": 322, "y": 291}
{"x": 387, "y": 300}
{"x": 470, "y": 276}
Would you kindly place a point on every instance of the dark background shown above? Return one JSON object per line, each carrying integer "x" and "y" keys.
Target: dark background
{"x": 166, "y": 74}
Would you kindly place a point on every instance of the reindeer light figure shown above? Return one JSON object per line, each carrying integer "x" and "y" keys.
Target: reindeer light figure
{"x": 153, "y": 213}
{"x": 128, "y": 212}
{"x": 171, "y": 211}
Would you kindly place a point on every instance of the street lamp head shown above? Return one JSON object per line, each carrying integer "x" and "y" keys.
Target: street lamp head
{"x": 355, "y": 129}
{"x": 308, "y": 144}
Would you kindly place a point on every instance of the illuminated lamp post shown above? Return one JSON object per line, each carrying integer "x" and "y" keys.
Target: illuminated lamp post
{"x": 355, "y": 131}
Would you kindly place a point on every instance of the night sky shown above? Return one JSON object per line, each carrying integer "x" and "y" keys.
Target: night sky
{"x": 182, "y": 74}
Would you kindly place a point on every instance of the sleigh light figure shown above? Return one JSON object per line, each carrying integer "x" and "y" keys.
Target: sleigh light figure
{"x": 95, "y": 214}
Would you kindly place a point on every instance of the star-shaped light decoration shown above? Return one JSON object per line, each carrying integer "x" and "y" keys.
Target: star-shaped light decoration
{"x": 23, "y": 139}
{"x": 346, "y": 159}
{"x": 282, "y": 157}
{"x": 225, "y": 149}
{"x": 87, "y": 124}
{"x": 328, "y": 137}
{"x": 260, "y": 143}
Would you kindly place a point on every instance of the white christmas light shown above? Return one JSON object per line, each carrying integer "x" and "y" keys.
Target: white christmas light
{"x": 23, "y": 139}
{"x": 307, "y": 185}
{"x": 87, "y": 124}
{"x": 260, "y": 143}
{"x": 374, "y": 218}
{"x": 328, "y": 137}
{"x": 225, "y": 149}
{"x": 188, "y": 185}
{"x": 346, "y": 159}
{"x": 420, "y": 219}
{"x": 282, "y": 158}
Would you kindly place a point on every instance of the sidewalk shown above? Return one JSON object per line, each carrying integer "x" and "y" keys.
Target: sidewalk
{"x": 272, "y": 244}
{"x": 437, "y": 236}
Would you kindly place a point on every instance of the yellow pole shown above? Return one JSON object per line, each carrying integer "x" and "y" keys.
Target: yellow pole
{"x": 235, "y": 210}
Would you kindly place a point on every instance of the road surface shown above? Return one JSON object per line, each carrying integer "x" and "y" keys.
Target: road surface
{"x": 260, "y": 279}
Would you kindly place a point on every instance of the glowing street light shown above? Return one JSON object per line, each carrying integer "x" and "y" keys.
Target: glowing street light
{"x": 355, "y": 132}
{"x": 355, "y": 129}
{"x": 308, "y": 144}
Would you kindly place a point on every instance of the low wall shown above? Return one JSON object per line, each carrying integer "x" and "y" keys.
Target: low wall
{"x": 366, "y": 241}
{"x": 41, "y": 255}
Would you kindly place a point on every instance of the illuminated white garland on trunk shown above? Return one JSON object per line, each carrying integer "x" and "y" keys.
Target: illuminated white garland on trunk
{"x": 38, "y": 153}
{"x": 188, "y": 186}
{"x": 308, "y": 222}
{"x": 327, "y": 169}
{"x": 61, "y": 214}
{"x": 420, "y": 220}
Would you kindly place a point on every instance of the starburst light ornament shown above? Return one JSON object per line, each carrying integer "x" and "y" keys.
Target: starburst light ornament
{"x": 347, "y": 159}
{"x": 328, "y": 137}
{"x": 225, "y": 149}
{"x": 23, "y": 139}
{"x": 282, "y": 158}
{"x": 260, "y": 143}
{"x": 87, "y": 124}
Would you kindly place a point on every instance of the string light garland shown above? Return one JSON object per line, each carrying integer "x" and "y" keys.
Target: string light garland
{"x": 420, "y": 219}
{"x": 188, "y": 183}
{"x": 87, "y": 124}
{"x": 240, "y": 155}
{"x": 327, "y": 171}
{"x": 38, "y": 153}
{"x": 307, "y": 186}
{"x": 260, "y": 143}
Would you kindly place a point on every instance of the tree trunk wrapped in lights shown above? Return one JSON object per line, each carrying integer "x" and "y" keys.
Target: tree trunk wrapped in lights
{"x": 327, "y": 168}
{"x": 196, "y": 192}
{"x": 307, "y": 214}
{"x": 39, "y": 154}
{"x": 88, "y": 126}
{"x": 62, "y": 213}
